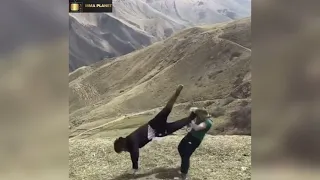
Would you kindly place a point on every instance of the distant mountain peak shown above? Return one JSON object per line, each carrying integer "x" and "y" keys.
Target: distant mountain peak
{"x": 138, "y": 23}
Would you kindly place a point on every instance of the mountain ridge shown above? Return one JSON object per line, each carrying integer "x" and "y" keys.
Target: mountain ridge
{"x": 201, "y": 58}
{"x": 151, "y": 20}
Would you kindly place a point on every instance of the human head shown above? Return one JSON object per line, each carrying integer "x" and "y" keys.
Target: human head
{"x": 202, "y": 114}
{"x": 119, "y": 145}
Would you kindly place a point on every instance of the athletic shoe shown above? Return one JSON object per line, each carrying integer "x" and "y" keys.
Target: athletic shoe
{"x": 184, "y": 176}
{"x": 157, "y": 139}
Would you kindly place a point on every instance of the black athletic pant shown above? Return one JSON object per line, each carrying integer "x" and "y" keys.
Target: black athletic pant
{"x": 162, "y": 127}
{"x": 186, "y": 148}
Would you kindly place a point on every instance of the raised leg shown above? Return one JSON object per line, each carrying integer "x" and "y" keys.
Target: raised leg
{"x": 175, "y": 126}
{"x": 160, "y": 120}
{"x": 174, "y": 97}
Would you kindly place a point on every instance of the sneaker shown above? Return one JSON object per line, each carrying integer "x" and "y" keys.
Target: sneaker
{"x": 157, "y": 139}
{"x": 180, "y": 87}
{"x": 184, "y": 176}
{"x": 193, "y": 109}
{"x": 181, "y": 178}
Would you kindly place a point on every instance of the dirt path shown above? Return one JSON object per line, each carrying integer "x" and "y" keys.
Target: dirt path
{"x": 232, "y": 42}
{"x": 114, "y": 121}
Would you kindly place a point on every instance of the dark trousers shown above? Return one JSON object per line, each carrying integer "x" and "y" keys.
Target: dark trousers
{"x": 186, "y": 148}
{"x": 162, "y": 127}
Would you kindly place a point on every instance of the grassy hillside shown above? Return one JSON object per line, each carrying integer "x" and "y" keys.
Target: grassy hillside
{"x": 219, "y": 158}
{"x": 213, "y": 62}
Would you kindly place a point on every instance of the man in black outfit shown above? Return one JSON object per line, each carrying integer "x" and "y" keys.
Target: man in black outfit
{"x": 156, "y": 127}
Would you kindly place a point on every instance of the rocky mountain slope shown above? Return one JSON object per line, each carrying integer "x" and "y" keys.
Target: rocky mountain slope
{"x": 195, "y": 12}
{"x": 137, "y": 23}
{"x": 102, "y": 37}
{"x": 213, "y": 62}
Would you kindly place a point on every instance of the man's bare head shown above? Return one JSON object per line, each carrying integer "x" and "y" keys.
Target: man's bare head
{"x": 119, "y": 145}
{"x": 202, "y": 114}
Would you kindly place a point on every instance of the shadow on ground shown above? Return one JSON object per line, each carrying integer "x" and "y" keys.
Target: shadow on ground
{"x": 158, "y": 173}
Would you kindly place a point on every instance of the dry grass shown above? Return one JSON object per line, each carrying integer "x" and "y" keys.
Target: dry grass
{"x": 235, "y": 119}
{"x": 218, "y": 157}
{"x": 146, "y": 78}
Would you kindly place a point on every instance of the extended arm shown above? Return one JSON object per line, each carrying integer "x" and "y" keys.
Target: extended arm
{"x": 134, "y": 154}
{"x": 199, "y": 127}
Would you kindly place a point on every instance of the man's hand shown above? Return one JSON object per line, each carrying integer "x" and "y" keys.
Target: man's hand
{"x": 190, "y": 125}
{"x": 189, "y": 129}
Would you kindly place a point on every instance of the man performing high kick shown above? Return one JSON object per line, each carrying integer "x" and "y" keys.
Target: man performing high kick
{"x": 156, "y": 127}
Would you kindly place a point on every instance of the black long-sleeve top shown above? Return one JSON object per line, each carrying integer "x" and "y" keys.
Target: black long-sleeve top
{"x": 136, "y": 140}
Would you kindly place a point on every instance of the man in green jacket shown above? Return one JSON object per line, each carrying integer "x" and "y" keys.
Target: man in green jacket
{"x": 193, "y": 139}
